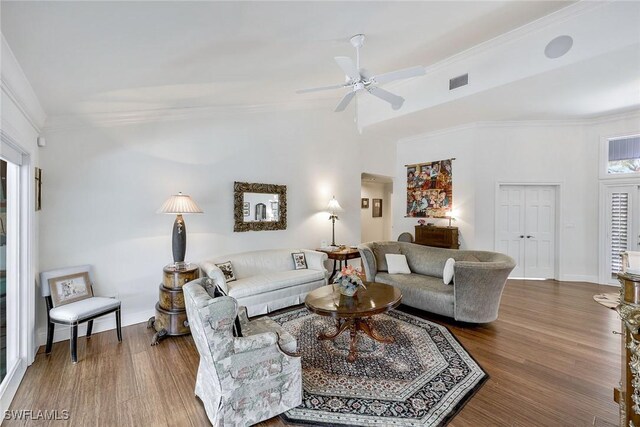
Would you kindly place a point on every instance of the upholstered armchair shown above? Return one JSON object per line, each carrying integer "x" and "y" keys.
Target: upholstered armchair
{"x": 241, "y": 380}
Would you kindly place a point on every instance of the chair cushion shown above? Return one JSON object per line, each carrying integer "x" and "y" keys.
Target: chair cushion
{"x": 271, "y": 281}
{"x": 265, "y": 324}
{"x": 85, "y": 309}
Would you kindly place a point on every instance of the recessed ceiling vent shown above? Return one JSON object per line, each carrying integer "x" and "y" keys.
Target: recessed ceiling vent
{"x": 456, "y": 82}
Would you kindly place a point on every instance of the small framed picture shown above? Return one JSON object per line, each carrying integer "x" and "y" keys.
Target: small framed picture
{"x": 38, "y": 175}
{"x": 246, "y": 209}
{"x": 71, "y": 288}
{"x": 376, "y": 212}
{"x": 364, "y": 203}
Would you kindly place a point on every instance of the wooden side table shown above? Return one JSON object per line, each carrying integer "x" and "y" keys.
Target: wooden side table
{"x": 342, "y": 256}
{"x": 171, "y": 314}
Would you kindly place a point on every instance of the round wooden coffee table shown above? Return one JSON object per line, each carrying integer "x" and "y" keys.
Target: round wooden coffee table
{"x": 354, "y": 313}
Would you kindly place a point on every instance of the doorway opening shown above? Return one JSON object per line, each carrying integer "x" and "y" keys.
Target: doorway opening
{"x": 376, "y": 192}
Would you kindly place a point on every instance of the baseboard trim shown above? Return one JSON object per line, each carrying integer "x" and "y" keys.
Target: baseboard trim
{"x": 579, "y": 278}
{"x": 105, "y": 323}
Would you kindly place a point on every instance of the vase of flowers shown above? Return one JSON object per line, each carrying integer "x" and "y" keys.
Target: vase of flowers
{"x": 349, "y": 280}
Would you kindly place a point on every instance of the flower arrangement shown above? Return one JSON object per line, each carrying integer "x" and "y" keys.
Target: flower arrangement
{"x": 349, "y": 280}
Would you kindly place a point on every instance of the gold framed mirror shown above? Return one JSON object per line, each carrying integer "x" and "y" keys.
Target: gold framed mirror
{"x": 258, "y": 207}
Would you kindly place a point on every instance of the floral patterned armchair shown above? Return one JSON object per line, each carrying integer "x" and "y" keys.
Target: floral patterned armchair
{"x": 241, "y": 380}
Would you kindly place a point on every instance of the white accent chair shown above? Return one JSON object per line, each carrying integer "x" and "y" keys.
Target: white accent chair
{"x": 77, "y": 312}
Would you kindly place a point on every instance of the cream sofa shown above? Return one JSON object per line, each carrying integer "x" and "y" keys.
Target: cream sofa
{"x": 474, "y": 296}
{"x": 267, "y": 280}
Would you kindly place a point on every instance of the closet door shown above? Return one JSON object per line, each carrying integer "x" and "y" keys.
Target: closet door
{"x": 510, "y": 237}
{"x": 525, "y": 229}
{"x": 539, "y": 230}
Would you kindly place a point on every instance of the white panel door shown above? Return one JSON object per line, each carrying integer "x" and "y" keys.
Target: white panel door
{"x": 510, "y": 225}
{"x": 623, "y": 226}
{"x": 525, "y": 229}
{"x": 539, "y": 242}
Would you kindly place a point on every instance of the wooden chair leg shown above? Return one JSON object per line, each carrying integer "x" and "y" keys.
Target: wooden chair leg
{"x": 50, "y": 330}
{"x": 73, "y": 343}
{"x": 89, "y": 328}
{"x": 118, "y": 325}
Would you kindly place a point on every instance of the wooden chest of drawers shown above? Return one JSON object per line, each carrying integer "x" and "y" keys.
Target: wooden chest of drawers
{"x": 439, "y": 237}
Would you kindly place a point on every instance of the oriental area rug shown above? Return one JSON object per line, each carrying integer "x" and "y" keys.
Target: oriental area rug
{"x": 423, "y": 379}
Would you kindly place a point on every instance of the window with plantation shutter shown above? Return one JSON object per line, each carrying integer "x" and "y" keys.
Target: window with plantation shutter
{"x": 619, "y": 229}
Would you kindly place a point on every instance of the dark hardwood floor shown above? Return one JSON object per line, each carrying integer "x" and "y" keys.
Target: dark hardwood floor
{"x": 551, "y": 357}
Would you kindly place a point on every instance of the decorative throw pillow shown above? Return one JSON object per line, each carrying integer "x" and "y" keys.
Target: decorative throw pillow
{"x": 227, "y": 270}
{"x": 397, "y": 264}
{"x": 299, "y": 260}
{"x": 380, "y": 250}
{"x": 447, "y": 273}
{"x": 214, "y": 291}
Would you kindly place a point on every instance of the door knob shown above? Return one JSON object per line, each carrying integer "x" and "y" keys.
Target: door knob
{"x": 522, "y": 237}
{"x": 528, "y": 237}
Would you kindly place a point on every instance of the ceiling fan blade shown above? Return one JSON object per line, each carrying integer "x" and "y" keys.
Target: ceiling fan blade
{"x": 348, "y": 67}
{"x": 316, "y": 89}
{"x": 395, "y": 100}
{"x": 344, "y": 101}
{"x": 400, "y": 74}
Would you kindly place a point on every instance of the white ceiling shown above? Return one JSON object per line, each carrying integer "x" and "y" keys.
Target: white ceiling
{"x": 123, "y": 57}
{"x": 94, "y": 57}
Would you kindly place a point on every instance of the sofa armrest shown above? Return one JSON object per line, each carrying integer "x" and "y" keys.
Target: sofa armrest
{"x": 478, "y": 289}
{"x": 212, "y": 271}
{"x": 315, "y": 260}
{"x": 369, "y": 261}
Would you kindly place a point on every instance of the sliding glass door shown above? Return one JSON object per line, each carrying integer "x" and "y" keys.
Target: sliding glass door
{"x": 3, "y": 270}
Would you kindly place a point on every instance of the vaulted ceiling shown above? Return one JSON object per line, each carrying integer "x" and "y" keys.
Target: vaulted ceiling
{"x": 99, "y": 57}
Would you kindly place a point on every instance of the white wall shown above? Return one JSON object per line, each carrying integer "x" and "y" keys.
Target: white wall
{"x": 104, "y": 185}
{"x": 21, "y": 116}
{"x": 488, "y": 154}
{"x": 379, "y": 228}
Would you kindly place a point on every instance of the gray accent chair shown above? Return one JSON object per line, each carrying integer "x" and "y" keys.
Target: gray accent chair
{"x": 405, "y": 237}
{"x": 241, "y": 380}
{"x": 474, "y": 296}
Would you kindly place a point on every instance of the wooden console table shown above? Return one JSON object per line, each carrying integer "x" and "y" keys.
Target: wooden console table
{"x": 628, "y": 395}
{"x": 439, "y": 237}
{"x": 171, "y": 314}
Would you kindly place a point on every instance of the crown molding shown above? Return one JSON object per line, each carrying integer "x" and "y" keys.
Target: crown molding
{"x": 64, "y": 122}
{"x": 589, "y": 121}
{"x": 14, "y": 83}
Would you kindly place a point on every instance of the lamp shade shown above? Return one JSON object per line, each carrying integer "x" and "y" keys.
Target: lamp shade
{"x": 179, "y": 204}
{"x": 334, "y": 205}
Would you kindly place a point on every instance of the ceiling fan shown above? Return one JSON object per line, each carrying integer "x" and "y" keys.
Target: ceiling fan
{"x": 359, "y": 79}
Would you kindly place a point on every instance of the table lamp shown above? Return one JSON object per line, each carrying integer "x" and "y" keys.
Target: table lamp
{"x": 334, "y": 206}
{"x": 179, "y": 204}
{"x": 451, "y": 215}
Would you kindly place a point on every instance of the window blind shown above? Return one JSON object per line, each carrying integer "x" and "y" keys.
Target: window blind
{"x": 619, "y": 229}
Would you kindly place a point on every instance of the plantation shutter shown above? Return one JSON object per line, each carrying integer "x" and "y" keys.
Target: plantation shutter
{"x": 619, "y": 229}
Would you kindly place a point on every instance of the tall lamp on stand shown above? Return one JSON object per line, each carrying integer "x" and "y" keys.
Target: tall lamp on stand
{"x": 334, "y": 207}
{"x": 179, "y": 204}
